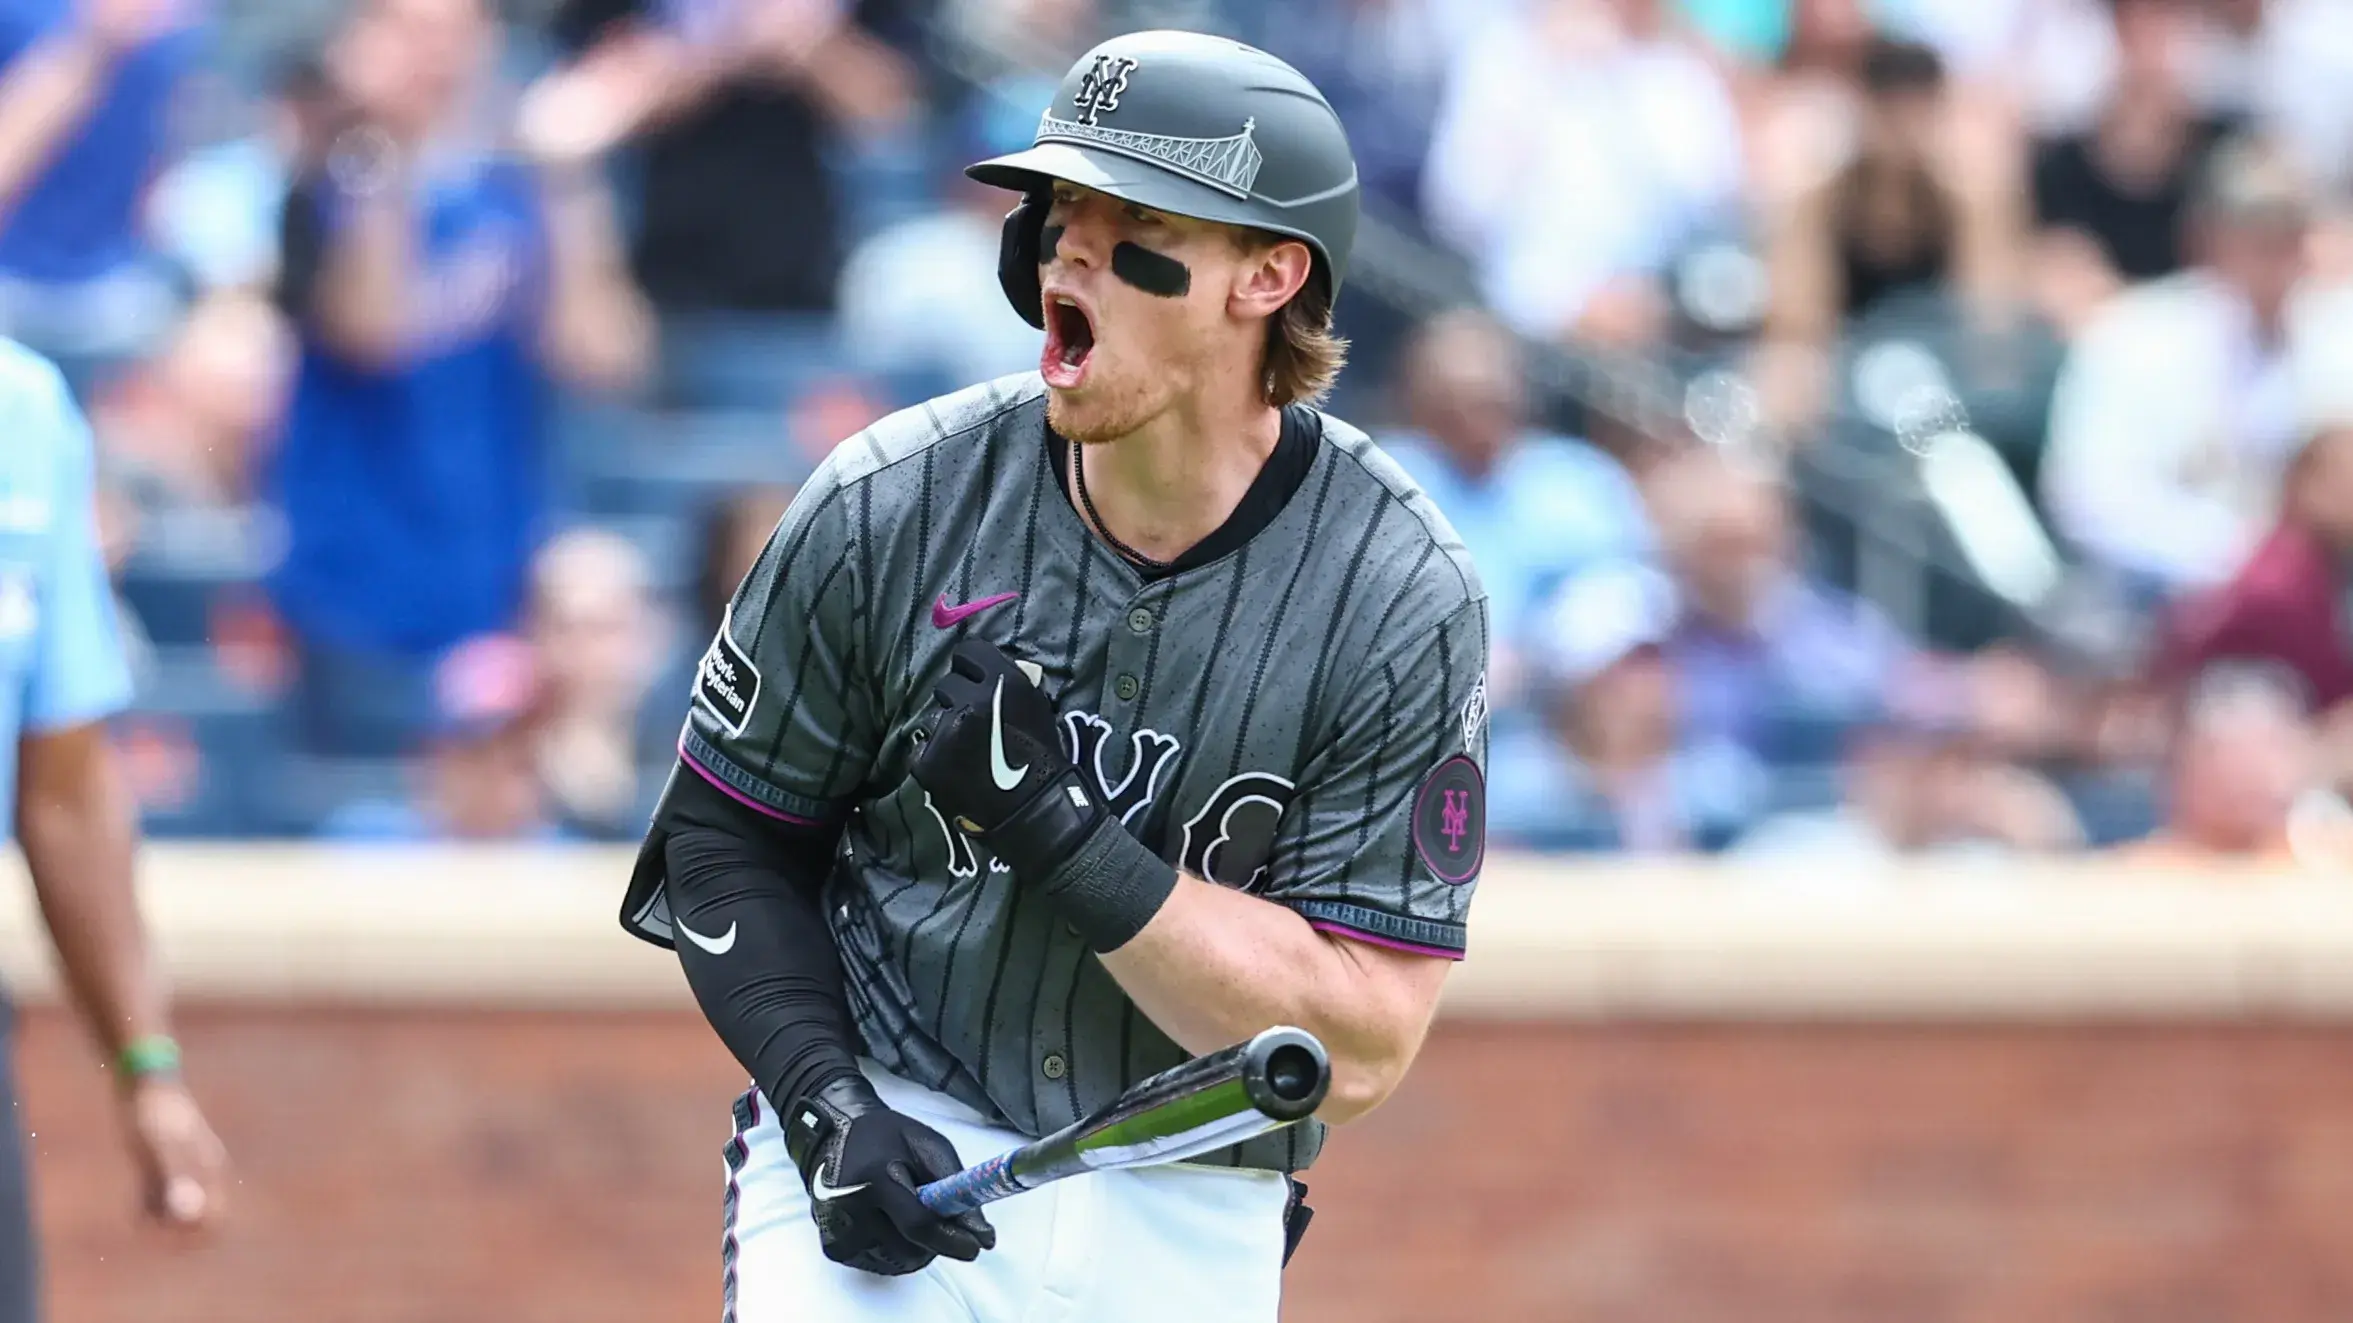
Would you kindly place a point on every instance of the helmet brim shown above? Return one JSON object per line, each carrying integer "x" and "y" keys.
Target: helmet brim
{"x": 1034, "y": 168}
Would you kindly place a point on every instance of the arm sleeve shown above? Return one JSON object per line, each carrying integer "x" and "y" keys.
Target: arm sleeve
{"x": 79, "y": 672}
{"x": 784, "y": 715}
{"x": 745, "y": 894}
{"x": 1384, "y": 841}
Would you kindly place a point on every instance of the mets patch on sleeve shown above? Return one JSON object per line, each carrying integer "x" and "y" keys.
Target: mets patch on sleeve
{"x": 1450, "y": 819}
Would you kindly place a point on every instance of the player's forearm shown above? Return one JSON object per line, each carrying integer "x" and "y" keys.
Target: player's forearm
{"x": 45, "y": 95}
{"x": 753, "y": 942}
{"x": 363, "y": 294}
{"x": 599, "y": 333}
{"x": 1215, "y": 966}
{"x": 78, "y": 827}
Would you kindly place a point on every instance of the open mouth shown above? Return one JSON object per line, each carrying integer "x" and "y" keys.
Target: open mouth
{"x": 1070, "y": 343}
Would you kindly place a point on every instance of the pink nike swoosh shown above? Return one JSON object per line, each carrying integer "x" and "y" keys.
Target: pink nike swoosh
{"x": 944, "y": 615}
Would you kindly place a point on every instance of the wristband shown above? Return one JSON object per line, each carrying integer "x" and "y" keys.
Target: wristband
{"x": 1111, "y": 887}
{"x": 144, "y": 1058}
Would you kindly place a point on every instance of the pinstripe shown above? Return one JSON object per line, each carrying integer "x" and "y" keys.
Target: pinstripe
{"x": 1440, "y": 738}
{"x": 809, "y": 640}
{"x": 1075, "y": 1061}
{"x": 1338, "y": 614}
{"x": 1241, "y": 740}
{"x": 1239, "y": 576}
{"x": 916, "y": 580}
{"x": 1372, "y": 782}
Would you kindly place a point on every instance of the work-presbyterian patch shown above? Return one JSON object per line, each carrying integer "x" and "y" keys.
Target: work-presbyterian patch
{"x": 1450, "y": 820}
{"x": 725, "y": 681}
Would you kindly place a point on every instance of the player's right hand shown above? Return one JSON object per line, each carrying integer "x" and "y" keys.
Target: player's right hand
{"x": 862, "y": 1162}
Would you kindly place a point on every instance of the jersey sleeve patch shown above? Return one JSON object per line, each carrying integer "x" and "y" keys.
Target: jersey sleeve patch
{"x": 725, "y": 681}
{"x": 1450, "y": 820}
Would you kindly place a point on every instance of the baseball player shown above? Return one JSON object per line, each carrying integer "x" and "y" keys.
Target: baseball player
{"x": 1077, "y": 724}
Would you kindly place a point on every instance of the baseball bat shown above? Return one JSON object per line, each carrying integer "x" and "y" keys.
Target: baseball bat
{"x": 1274, "y": 1079}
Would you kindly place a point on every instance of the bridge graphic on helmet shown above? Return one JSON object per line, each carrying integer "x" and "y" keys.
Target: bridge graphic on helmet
{"x": 1230, "y": 164}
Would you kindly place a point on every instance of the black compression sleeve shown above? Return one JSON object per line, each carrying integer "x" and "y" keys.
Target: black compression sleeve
{"x": 751, "y": 887}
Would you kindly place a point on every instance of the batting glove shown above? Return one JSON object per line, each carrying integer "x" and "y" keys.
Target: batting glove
{"x": 994, "y": 764}
{"x": 862, "y": 1163}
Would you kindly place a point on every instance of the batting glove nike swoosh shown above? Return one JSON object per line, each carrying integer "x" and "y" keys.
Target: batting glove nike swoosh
{"x": 994, "y": 763}
{"x": 862, "y": 1163}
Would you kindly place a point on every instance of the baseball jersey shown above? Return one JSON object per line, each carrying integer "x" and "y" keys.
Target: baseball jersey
{"x": 1302, "y": 719}
{"x": 61, "y": 654}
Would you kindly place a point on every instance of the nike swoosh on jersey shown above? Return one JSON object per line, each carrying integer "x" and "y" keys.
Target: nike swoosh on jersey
{"x": 719, "y": 945}
{"x": 944, "y": 615}
{"x": 1006, "y": 777}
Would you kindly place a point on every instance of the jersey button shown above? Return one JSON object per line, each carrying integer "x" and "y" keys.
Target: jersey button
{"x": 1140, "y": 620}
{"x": 1054, "y": 1066}
{"x": 1126, "y": 687}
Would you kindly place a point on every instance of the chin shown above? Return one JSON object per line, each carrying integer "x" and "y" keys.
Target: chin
{"x": 1093, "y": 413}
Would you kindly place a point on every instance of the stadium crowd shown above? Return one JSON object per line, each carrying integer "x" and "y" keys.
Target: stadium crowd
{"x": 1911, "y": 427}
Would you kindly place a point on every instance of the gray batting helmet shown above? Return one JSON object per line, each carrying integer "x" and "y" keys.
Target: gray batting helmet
{"x": 1190, "y": 124}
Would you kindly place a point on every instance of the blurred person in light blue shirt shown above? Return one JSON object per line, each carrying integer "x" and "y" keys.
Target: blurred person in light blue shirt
{"x": 62, "y": 676}
{"x": 1534, "y": 509}
{"x": 1614, "y": 764}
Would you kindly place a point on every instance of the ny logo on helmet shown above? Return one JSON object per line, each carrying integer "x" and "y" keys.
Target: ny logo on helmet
{"x": 1098, "y": 92}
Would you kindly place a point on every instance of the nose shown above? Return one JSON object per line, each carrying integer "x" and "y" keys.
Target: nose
{"x": 1079, "y": 233}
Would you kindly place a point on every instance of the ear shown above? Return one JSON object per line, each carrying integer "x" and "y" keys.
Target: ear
{"x": 1269, "y": 277}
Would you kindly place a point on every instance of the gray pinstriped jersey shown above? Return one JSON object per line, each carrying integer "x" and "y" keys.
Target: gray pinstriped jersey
{"x": 1303, "y": 719}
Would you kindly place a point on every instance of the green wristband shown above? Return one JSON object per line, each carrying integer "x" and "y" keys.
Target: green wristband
{"x": 153, "y": 1055}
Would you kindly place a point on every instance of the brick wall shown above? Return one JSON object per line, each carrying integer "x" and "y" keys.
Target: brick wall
{"x": 454, "y": 1168}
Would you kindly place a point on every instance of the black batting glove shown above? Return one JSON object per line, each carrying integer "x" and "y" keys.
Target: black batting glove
{"x": 862, "y": 1163}
{"x": 994, "y": 763}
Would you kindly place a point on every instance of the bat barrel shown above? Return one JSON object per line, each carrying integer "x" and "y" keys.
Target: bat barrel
{"x": 1286, "y": 1073}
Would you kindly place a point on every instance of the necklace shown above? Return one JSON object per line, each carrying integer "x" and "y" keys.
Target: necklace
{"x": 1078, "y": 467}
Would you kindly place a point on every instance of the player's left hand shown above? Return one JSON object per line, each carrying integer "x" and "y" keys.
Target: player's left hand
{"x": 995, "y": 765}
{"x": 183, "y": 1167}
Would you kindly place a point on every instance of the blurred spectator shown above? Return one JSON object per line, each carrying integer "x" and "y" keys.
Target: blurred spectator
{"x": 1919, "y": 781}
{"x": 1915, "y": 202}
{"x": 736, "y": 111}
{"x": 438, "y": 291}
{"x": 1768, "y": 658}
{"x": 1613, "y": 765}
{"x": 2291, "y": 604}
{"x": 1533, "y": 508}
{"x": 1011, "y": 38}
{"x": 478, "y": 779}
{"x": 185, "y": 429}
{"x": 597, "y": 638}
{"x": 2302, "y": 85}
{"x": 731, "y": 534}
{"x": 921, "y": 300}
{"x": 1578, "y": 150}
{"x": 218, "y": 211}
{"x": 85, "y": 101}
{"x": 2110, "y": 198}
{"x": 1382, "y": 64}
{"x": 2176, "y": 409}
{"x": 2243, "y": 757}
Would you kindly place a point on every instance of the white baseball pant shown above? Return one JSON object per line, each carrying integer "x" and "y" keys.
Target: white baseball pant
{"x": 1170, "y": 1244}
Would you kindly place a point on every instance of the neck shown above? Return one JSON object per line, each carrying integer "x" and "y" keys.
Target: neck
{"x": 1170, "y": 483}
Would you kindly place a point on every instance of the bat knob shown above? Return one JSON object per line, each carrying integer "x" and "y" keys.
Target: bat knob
{"x": 1286, "y": 1073}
